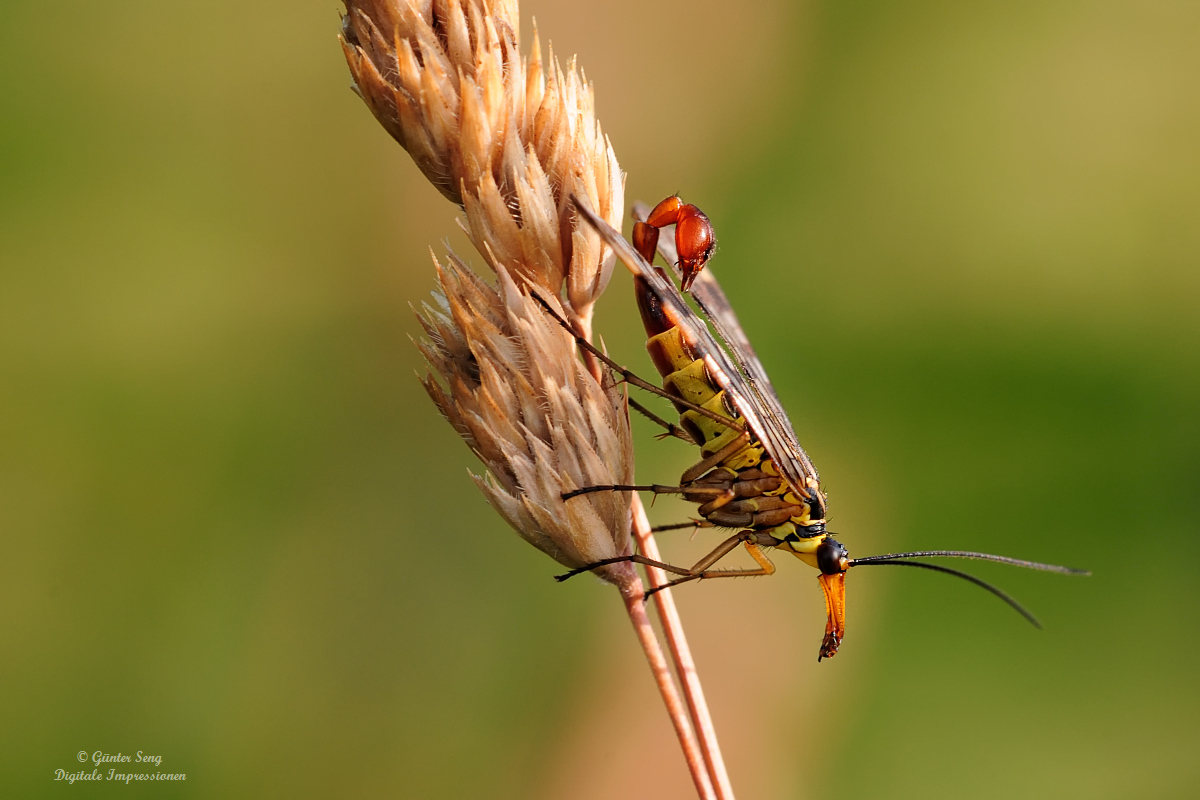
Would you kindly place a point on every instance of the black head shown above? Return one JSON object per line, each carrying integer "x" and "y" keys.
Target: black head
{"x": 832, "y": 557}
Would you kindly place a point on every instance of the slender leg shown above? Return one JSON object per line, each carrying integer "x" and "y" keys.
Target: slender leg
{"x": 765, "y": 567}
{"x": 728, "y": 546}
{"x": 721, "y": 551}
{"x": 694, "y": 523}
{"x": 672, "y": 428}
{"x": 692, "y": 474}
{"x": 619, "y": 559}
{"x": 716, "y": 458}
{"x": 700, "y": 569}
{"x": 657, "y": 488}
{"x": 632, "y": 378}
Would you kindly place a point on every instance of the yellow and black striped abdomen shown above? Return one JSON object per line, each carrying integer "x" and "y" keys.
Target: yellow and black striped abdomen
{"x": 686, "y": 377}
{"x": 752, "y": 492}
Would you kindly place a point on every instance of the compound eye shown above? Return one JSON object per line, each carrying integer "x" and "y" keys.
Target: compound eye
{"x": 832, "y": 557}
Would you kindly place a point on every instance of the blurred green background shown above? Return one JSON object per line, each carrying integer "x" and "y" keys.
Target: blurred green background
{"x": 234, "y": 533}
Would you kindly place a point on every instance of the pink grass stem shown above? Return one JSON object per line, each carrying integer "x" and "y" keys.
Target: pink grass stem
{"x": 634, "y": 596}
{"x": 681, "y": 654}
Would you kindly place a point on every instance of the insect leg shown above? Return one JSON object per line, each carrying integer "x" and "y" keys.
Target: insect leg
{"x": 632, "y": 378}
{"x": 716, "y": 458}
{"x": 657, "y": 488}
{"x": 700, "y": 569}
{"x": 721, "y": 551}
{"x": 620, "y": 559}
{"x": 672, "y": 429}
{"x": 692, "y": 523}
{"x": 765, "y": 567}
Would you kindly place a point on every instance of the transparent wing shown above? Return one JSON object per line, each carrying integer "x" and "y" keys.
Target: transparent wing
{"x": 770, "y": 427}
{"x": 707, "y": 291}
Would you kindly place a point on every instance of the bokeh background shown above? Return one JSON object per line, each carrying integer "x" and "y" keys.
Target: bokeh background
{"x": 234, "y": 533}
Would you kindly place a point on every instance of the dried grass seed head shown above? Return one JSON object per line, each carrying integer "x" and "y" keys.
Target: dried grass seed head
{"x": 506, "y": 376}
{"x": 496, "y": 133}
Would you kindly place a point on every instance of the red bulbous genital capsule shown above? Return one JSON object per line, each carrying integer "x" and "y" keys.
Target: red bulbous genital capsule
{"x": 694, "y": 237}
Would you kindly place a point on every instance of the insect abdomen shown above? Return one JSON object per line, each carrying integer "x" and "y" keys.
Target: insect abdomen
{"x": 761, "y": 499}
{"x": 686, "y": 377}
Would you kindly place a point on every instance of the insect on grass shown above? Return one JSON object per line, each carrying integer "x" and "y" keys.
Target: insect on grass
{"x": 753, "y": 477}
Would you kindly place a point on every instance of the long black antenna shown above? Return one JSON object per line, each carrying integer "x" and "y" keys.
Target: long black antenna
{"x": 1020, "y": 609}
{"x": 1015, "y": 562}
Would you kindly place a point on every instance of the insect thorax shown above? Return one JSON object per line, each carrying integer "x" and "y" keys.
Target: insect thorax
{"x": 754, "y": 497}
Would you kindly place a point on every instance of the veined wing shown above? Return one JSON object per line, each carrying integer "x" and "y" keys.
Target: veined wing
{"x": 711, "y": 298}
{"x": 773, "y": 431}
